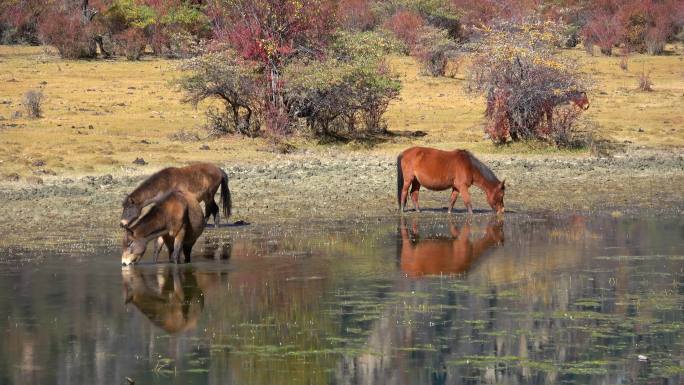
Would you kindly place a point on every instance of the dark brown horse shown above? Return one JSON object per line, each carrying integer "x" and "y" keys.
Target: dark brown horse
{"x": 199, "y": 179}
{"x": 441, "y": 170}
{"x": 445, "y": 255}
{"x": 176, "y": 217}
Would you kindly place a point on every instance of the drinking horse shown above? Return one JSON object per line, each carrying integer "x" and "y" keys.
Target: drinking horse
{"x": 441, "y": 170}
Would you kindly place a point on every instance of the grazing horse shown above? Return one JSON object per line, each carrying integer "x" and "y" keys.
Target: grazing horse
{"x": 199, "y": 179}
{"x": 440, "y": 170}
{"x": 445, "y": 255}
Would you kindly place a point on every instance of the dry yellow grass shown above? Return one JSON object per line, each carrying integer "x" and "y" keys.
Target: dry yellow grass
{"x": 97, "y": 113}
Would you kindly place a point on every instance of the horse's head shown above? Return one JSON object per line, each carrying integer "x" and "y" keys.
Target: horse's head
{"x": 130, "y": 210}
{"x": 495, "y": 197}
{"x": 580, "y": 99}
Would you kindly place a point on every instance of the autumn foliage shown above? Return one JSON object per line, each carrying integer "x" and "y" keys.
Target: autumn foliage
{"x": 642, "y": 26}
{"x": 531, "y": 92}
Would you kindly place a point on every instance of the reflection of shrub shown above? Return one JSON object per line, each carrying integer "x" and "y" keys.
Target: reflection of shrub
{"x": 526, "y": 82}
{"x": 33, "y": 101}
{"x": 434, "y": 49}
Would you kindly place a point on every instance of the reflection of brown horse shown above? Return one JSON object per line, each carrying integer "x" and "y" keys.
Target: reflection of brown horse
{"x": 441, "y": 255}
{"x": 441, "y": 170}
{"x": 172, "y": 298}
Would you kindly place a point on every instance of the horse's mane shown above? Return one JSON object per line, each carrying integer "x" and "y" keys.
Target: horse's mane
{"x": 484, "y": 170}
{"x": 150, "y": 186}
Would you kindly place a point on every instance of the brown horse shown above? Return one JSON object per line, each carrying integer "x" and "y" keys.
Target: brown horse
{"x": 441, "y": 170}
{"x": 445, "y": 255}
{"x": 199, "y": 179}
{"x": 176, "y": 218}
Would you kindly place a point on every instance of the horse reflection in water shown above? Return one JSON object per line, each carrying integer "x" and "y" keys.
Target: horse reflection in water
{"x": 445, "y": 255}
{"x": 172, "y": 297}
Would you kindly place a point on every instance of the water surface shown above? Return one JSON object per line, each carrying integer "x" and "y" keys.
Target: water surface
{"x": 426, "y": 300}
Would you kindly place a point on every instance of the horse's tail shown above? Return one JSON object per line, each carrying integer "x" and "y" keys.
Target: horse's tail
{"x": 400, "y": 179}
{"x": 226, "y": 202}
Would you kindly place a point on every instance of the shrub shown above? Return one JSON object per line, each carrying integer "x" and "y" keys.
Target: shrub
{"x": 517, "y": 68}
{"x": 347, "y": 92}
{"x": 235, "y": 82}
{"x": 33, "y": 101}
{"x": 130, "y": 43}
{"x": 604, "y": 30}
{"x": 624, "y": 63}
{"x": 66, "y": 30}
{"x": 643, "y": 26}
{"x": 406, "y": 26}
{"x": 434, "y": 50}
{"x": 357, "y": 15}
{"x": 645, "y": 83}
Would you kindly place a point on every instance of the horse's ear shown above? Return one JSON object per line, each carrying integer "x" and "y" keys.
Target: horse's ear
{"x": 503, "y": 185}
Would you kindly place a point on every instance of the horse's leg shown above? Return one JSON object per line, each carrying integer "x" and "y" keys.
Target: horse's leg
{"x": 466, "y": 199}
{"x": 404, "y": 193}
{"x": 212, "y": 209}
{"x": 178, "y": 244}
{"x": 168, "y": 241}
{"x": 157, "y": 248}
{"x": 415, "y": 187}
{"x": 187, "y": 249}
{"x": 452, "y": 199}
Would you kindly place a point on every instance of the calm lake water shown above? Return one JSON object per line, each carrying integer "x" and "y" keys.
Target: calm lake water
{"x": 432, "y": 300}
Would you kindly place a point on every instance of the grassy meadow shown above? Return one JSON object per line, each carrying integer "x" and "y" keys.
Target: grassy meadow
{"x": 98, "y": 116}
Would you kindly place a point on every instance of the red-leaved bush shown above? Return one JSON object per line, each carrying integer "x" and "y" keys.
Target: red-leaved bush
{"x": 67, "y": 31}
{"x": 357, "y": 15}
{"x": 131, "y": 43}
{"x": 604, "y": 30}
{"x": 642, "y": 25}
{"x": 406, "y": 26}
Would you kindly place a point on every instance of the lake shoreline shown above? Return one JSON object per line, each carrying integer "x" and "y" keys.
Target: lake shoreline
{"x": 305, "y": 187}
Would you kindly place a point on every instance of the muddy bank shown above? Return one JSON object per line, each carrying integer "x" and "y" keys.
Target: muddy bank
{"x": 292, "y": 188}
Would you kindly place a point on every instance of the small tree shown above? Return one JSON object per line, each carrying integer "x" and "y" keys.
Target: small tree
{"x": 271, "y": 32}
{"x": 523, "y": 79}
{"x": 235, "y": 82}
